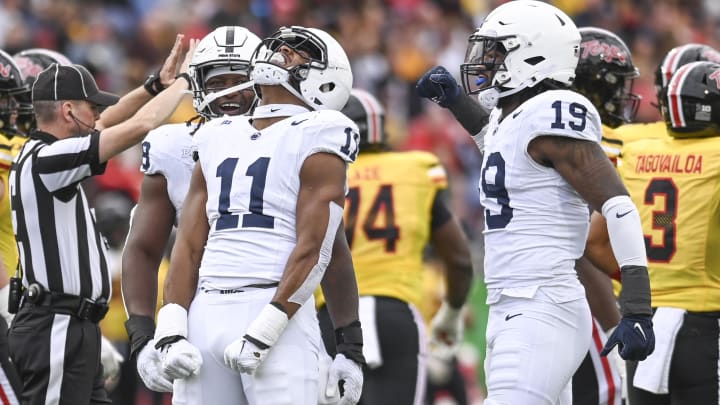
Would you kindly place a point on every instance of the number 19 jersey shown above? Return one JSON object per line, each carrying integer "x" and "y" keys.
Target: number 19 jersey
{"x": 253, "y": 181}
{"x": 675, "y": 184}
{"x": 536, "y": 224}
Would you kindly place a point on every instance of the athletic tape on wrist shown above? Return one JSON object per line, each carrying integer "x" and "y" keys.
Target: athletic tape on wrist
{"x": 171, "y": 321}
{"x": 268, "y": 326}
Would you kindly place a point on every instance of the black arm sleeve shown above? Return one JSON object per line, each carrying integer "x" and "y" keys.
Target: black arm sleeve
{"x": 440, "y": 213}
{"x": 470, "y": 114}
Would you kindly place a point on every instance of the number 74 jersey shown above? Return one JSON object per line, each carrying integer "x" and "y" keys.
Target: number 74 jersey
{"x": 536, "y": 224}
{"x": 253, "y": 182}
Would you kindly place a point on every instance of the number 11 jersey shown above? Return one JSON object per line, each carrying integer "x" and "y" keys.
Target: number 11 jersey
{"x": 253, "y": 181}
{"x": 536, "y": 224}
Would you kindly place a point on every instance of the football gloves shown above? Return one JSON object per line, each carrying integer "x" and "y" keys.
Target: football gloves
{"x": 634, "y": 336}
{"x": 149, "y": 367}
{"x": 246, "y": 354}
{"x": 180, "y": 359}
{"x": 348, "y": 373}
{"x": 110, "y": 359}
{"x": 446, "y": 327}
{"x": 439, "y": 86}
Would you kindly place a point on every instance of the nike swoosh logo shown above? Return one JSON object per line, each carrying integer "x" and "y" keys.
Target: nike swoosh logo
{"x": 623, "y": 214}
{"x": 274, "y": 109}
{"x": 509, "y": 317}
{"x": 516, "y": 114}
{"x": 640, "y": 329}
{"x": 298, "y": 122}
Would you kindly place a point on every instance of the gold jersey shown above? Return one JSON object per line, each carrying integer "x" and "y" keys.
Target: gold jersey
{"x": 388, "y": 212}
{"x": 614, "y": 140}
{"x": 675, "y": 183}
{"x": 9, "y": 148}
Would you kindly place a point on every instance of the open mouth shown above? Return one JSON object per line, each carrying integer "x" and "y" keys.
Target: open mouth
{"x": 231, "y": 108}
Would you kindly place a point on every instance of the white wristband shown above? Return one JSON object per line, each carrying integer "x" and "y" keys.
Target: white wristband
{"x": 269, "y": 325}
{"x": 171, "y": 321}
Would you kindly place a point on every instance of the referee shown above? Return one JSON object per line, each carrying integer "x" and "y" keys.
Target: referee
{"x": 55, "y": 338}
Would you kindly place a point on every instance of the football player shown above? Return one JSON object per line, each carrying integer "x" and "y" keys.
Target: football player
{"x": 542, "y": 161}
{"x": 12, "y": 87}
{"x": 605, "y": 75}
{"x": 261, "y": 220}
{"x": 383, "y": 203}
{"x": 673, "y": 60}
{"x": 674, "y": 181}
{"x": 221, "y": 64}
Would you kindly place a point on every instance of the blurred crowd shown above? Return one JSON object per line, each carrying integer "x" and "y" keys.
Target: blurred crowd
{"x": 390, "y": 43}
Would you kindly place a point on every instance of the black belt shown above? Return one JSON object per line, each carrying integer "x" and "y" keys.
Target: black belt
{"x": 59, "y": 303}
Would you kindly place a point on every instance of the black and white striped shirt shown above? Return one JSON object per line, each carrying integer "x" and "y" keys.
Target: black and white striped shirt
{"x": 59, "y": 245}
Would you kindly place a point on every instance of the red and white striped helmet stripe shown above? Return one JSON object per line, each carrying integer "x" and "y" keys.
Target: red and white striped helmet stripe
{"x": 670, "y": 64}
{"x": 374, "y": 113}
{"x": 674, "y": 95}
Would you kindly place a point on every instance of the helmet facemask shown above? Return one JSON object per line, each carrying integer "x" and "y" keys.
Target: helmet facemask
{"x": 484, "y": 66}
{"x": 322, "y": 80}
{"x": 223, "y": 59}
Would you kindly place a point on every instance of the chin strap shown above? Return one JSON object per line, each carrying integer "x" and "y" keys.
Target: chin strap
{"x": 216, "y": 95}
{"x": 269, "y": 74}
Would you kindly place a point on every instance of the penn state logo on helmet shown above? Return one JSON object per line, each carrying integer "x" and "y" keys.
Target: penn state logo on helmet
{"x": 226, "y": 50}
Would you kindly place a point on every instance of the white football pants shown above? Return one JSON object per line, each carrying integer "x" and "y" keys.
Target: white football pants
{"x": 289, "y": 373}
{"x": 533, "y": 348}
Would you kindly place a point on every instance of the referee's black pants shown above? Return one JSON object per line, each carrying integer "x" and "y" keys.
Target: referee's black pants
{"x": 402, "y": 374}
{"x": 57, "y": 357}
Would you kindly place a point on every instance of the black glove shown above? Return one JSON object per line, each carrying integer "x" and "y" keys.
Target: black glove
{"x": 635, "y": 336}
{"x": 438, "y": 85}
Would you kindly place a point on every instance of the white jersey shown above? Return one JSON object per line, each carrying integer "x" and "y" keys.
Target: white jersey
{"x": 536, "y": 224}
{"x": 253, "y": 181}
{"x": 168, "y": 151}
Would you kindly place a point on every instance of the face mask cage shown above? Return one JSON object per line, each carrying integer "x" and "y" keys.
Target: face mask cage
{"x": 241, "y": 68}
{"x": 484, "y": 59}
{"x": 9, "y": 110}
{"x": 302, "y": 41}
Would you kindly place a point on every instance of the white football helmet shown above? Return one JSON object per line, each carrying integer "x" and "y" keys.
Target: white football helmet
{"x": 227, "y": 49}
{"x": 520, "y": 44}
{"x": 323, "y": 83}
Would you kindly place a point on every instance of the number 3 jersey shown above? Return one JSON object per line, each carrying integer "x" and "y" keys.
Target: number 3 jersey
{"x": 675, "y": 184}
{"x": 536, "y": 224}
{"x": 253, "y": 181}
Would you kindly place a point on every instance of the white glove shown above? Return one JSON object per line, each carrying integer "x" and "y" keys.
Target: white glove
{"x": 149, "y": 368}
{"x": 446, "y": 327}
{"x": 439, "y": 364}
{"x": 110, "y": 359}
{"x": 180, "y": 359}
{"x": 247, "y": 353}
{"x": 348, "y": 371}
